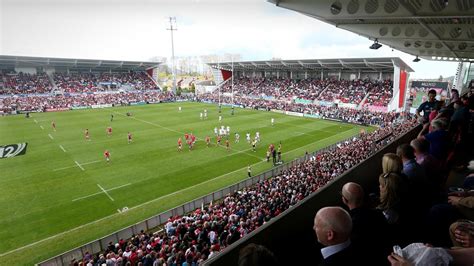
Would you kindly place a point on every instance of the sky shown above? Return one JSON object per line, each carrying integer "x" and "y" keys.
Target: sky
{"x": 137, "y": 30}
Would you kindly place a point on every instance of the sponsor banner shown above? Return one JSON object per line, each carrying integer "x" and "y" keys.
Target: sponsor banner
{"x": 278, "y": 111}
{"x": 312, "y": 116}
{"x": 375, "y": 108}
{"x": 138, "y": 103}
{"x": 95, "y": 106}
{"x": 294, "y": 113}
{"x": 25, "y": 112}
{"x": 80, "y": 107}
{"x": 13, "y": 150}
{"x": 56, "y": 109}
{"x": 303, "y": 101}
{"x": 324, "y": 103}
{"x": 347, "y": 105}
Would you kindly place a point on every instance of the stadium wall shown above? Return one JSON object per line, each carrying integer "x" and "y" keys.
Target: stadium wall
{"x": 290, "y": 236}
{"x": 154, "y": 222}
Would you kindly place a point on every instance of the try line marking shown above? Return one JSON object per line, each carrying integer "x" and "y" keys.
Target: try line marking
{"x": 77, "y": 164}
{"x": 100, "y": 192}
{"x": 153, "y": 200}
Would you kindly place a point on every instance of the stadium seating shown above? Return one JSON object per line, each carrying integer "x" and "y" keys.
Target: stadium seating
{"x": 24, "y": 83}
{"x": 45, "y": 102}
{"x": 94, "y": 82}
{"x": 327, "y": 90}
{"x": 380, "y": 94}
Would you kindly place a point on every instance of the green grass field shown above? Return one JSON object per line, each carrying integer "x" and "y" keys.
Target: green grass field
{"x": 48, "y": 204}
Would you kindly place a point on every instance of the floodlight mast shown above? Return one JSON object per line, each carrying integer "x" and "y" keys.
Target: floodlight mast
{"x": 171, "y": 29}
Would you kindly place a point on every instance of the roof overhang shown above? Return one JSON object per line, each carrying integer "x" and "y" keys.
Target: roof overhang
{"x": 431, "y": 29}
{"x": 75, "y": 64}
{"x": 383, "y": 64}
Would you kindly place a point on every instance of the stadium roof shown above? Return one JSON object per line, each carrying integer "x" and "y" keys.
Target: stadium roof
{"x": 75, "y": 64}
{"x": 385, "y": 64}
{"x": 432, "y": 29}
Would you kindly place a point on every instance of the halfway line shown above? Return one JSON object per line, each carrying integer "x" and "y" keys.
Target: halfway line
{"x": 51, "y": 137}
{"x": 42, "y": 127}
{"x": 62, "y": 148}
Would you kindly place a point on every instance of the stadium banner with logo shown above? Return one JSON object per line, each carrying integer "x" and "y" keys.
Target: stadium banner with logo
{"x": 138, "y": 103}
{"x": 347, "y": 105}
{"x": 303, "y": 101}
{"x": 376, "y": 108}
{"x": 324, "y": 103}
{"x": 13, "y": 150}
{"x": 56, "y": 109}
{"x": 278, "y": 111}
{"x": 294, "y": 113}
{"x": 311, "y": 115}
{"x": 95, "y": 106}
{"x": 419, "y": 91}
{"x": 80, "y": 107}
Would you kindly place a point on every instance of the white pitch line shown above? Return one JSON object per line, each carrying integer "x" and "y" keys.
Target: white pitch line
{"x": 51, "y": 137}
{"x": 62, "y": 148}
{"x": 63, "y": 168}
{"x": 110, "y": 189}
{"x": 105, "y": 191}
{"x": 80, "y": 166}
{"x": 42, "y": 127}
{"x": 91, "y": 162}
{"x": 36, "y": 121}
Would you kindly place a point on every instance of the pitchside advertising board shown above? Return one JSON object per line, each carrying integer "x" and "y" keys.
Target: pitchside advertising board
{"x": 419, "y": 92}
{"x": 12, "y": 150}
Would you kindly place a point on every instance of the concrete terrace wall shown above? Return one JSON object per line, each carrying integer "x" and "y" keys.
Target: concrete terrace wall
{"x": 290, "y": 236}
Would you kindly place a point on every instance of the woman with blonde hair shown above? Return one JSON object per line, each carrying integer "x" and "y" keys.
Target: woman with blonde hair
{"x": 391, "y": 163}
{"x": 390, "y": 186}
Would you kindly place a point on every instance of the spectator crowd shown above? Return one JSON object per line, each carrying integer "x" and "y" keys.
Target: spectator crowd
{"x": 378, "y": 93}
